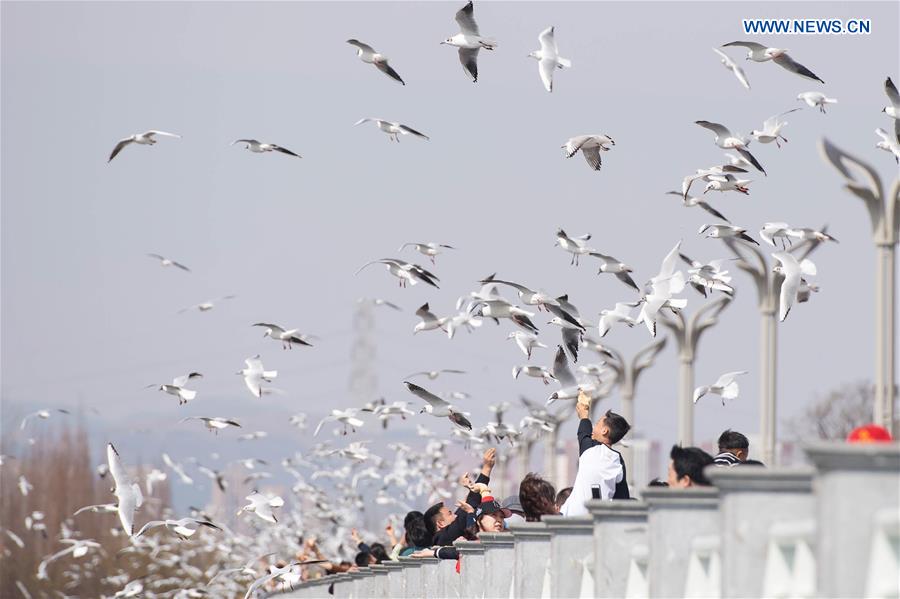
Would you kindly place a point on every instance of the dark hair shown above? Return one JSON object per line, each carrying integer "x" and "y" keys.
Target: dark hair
{"x": 416, "y": 531}
{"x": 618, "y": 427}
{"x": 562, "y": 496}
{"x": 690, "y": 461}
{"x": 752, "y": 463}
{"x": 732, "y": 440}
{"x": 538, "y": 498}
{"x": 362, "y": 559}
{"x": 379, "y": 552}
{"x": 657, "y": 483}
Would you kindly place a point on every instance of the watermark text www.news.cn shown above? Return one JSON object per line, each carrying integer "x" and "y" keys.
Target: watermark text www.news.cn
{"x": 807, "y": 26}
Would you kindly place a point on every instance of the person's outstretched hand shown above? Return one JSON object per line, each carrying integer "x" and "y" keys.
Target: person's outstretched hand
{"x": 583, "y": 407}
{"x": 490, "y": 458}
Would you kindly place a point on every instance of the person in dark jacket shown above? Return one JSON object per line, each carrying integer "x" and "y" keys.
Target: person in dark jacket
{"x": 445, "y": 526}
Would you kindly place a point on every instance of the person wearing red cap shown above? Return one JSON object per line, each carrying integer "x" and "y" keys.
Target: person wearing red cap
{"x": 869, "y": 433}
{"x": 446, "y": 526}
{"x": 490, "y": 514}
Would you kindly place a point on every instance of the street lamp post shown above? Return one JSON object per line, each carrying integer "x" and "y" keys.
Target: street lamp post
{"x": 885, "y": 216}
{"x": 687, "y": 333}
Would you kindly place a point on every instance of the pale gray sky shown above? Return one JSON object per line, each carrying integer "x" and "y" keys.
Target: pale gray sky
{"x": 88, "y": 319}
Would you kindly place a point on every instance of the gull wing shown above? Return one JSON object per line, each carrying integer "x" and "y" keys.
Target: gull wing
{"x": 285, "y": 151}
{"x": 405, "y": 129}
{"x": 891, "y": 90}
{"x": 118, "y": 148}
{"x": 748, "y": 45}
{"x": 468, "y": 57}
{"x": 786, "y": 62}
{"x": 385, "y": 68}
{"x": 366, "y": 48}
{"x": 153, "y": 132}
{"x": 728, "y": 62}
{"x": 546, "y": 66}
{"x": 718, "y": 129}
{"x": 428, "y": 396}
{"x": 728, "y": 378}
{"x": 561, "y": 369}
{"x": 465, "y": 17}
{"x": 548, "y": 41}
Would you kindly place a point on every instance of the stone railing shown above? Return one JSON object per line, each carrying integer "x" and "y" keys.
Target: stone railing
{"x": 828, "y": 531}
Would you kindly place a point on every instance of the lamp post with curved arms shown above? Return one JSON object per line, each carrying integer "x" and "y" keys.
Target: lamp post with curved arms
{"x": 884, "y": 212}
{"x": 687, "y": 333}
{"x": 768, "y": 290}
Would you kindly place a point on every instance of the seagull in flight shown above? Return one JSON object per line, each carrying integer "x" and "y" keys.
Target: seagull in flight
{"x": 893, "y": 110}
{"x": 760, "y": 53}
{"x": 184, "y": 528}
{"x": 163, "y": 261}
{"x": 691, "y": 201}
{"x": 380, "y": 302}
{"x": 548, "y": 58}
{"x": 126, "y": 490}
{"x": 792, "y": 271}
{"x": 727, "y": 140}
{"x": 725, "y": 386}
{"x": 438, "y": 407}
{"x": 177, "y": 469}
{"x": 406, "y": 272}
{"x": 346, "y": 417}
{"x": 42, "y": 414}
{"x": 500, "y": 308}
{"x": 368, "y": 55}
{"x": 621, "y": 313}
{"x": 528, "y": 296}
{"x": 662, "y": 289}
{"x": 207, "y": 305}
{"x": 569, "y": 388}
{"x": 177, "y": 388}
{"x": 255, "y": 374}
{"x": 259, "y": 147}
{"x": 814, "y": 99}
{"x": 394, "y": 130}
{"x": 577, "y": 246}
{"x": 608, "y": 264}
{"x": 725, "y": 231}
{"x": 733, "y": 67}
{"x": 707, "y": 277}
{"x": 430, "y": 249}
{"x": 469, "y": 41}
{"x": 433, "y": 374}
{"x": 145, "y": 139}
{"x": 722, "y": 173}
{"x": 890, "y": 143}
{"x": 538, "y": 372}
{"x": 287, "y": 337}
{"x": 771, "y": 130}
{"x": 214, "y": 424}
{"x": 590, "y": 146}
{"x": 526, "y": 342}
{"x": 261, "y": 505}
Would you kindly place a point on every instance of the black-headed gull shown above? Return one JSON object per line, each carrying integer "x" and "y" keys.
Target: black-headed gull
{"x": 526, "y": 342}
{"x": 433, "y": 374}
{"x": 727, "y": 140}
{"x": 723, "y": 173}
{"x": 430, "y": 249}
{"x": 775, "y": 230}
{"x": 893, "y": 95}
{"x": 346, "y": 417}
{"x": 792, "y": 271}
{"x": 438, "y": 407}
{"x": 214, "y": 423}
{"x": 394, "y": 130}
{"x": 548, "y": 58}
{"x": 691, "y": 201}
{"x": 577, "y": 246}
{"x": 500, "y": 308}
{"x": 42, "y": 414}
{"x": 706, "y": 277}
{"x": 126, "y": 490}
{"x": 177, "y": 388}
{"x": 207, "y": 305}
{"x": 890, "y": 143}
{"x": 662, "y": 289}
{"x": 367, "y": 54}
{"x": 726, "y": 387}
{"x": 184, "y": 527}
{"x": 163, "y": 261}
{"x": 810, "y": 234}
{"x": 528, "y": 296}
{"x": 771, "y": 130}
{"x": 814, "y": 99}
{"x": 407, "y": 273}
{"x": 287, "y": 336}
{"x": 608, "y": 264}
{"x": 590, "y": 146}
{"x": 538, "y": 372}
{"x": 177, "y": 469}
{"x": 568, "y": 386}
{"x": 260, "y": 147}
{"x": 469, "y": 40}
{"x": 733, "y": 67}
{"x": 570, "y": 327}
{"x": 760, "y": 53}
{"x": 621, "y": 313}
{"x": 261, "y": 504}
{"x": 255, "y": 374}
{"x": 144, "y": 139}
{"x": 723, "y": 231}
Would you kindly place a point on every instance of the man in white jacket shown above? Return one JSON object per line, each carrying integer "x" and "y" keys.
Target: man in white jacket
{"x": 599, "y": 464}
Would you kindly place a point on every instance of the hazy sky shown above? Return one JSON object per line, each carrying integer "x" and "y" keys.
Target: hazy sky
{"x": 88, "y": 320}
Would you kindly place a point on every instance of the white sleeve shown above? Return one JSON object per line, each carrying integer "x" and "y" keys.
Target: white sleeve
{"x": 610, "y": 472}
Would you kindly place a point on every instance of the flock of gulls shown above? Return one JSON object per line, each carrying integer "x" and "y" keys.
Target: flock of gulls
{"x": 547, "y": 327}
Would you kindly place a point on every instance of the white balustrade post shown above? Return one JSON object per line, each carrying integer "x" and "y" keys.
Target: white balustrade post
{"x": 751, "y": 500}
{"x": 499, "y": 552}
{"x": 531, "y": 557}
{"x": 853, "y": 482}
{"x": 414, "y": 587}
{"x": 471, "y": 568}
{"x": 618, "y": 527}
{"x": 395, "y": 579}
{"x": 571, "y": 554}
{"x": 675, "y": 517}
